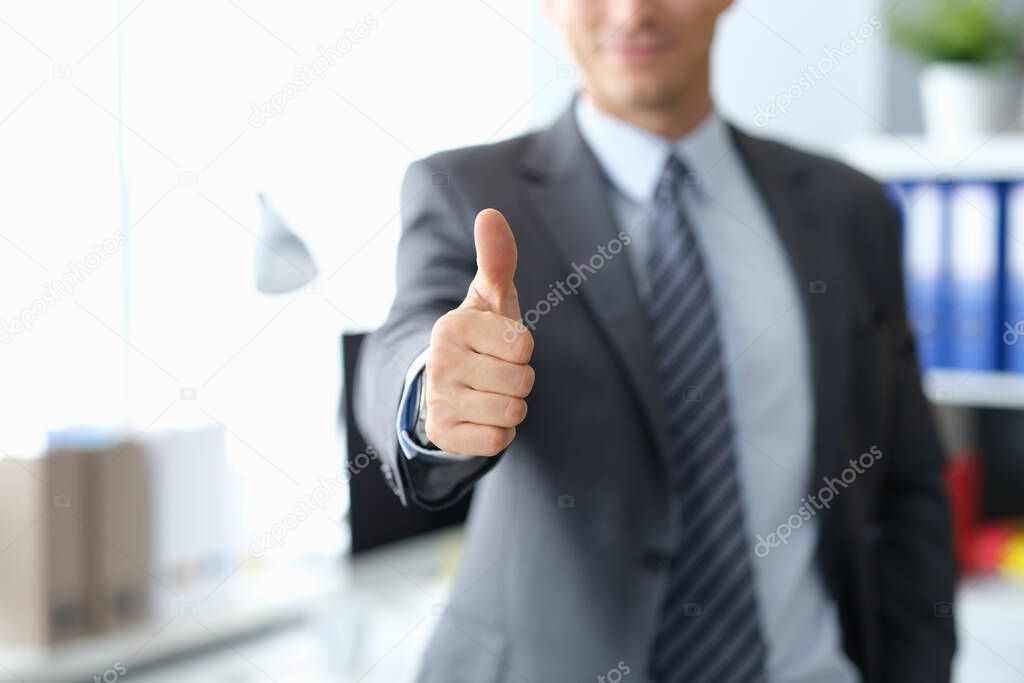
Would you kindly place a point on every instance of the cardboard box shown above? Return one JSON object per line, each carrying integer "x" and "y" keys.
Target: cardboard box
{"x": 118, "y": 561}
{"x": 69, "y": 544}
{"x": 42, "y": 563}
{"x": 24, "y": 592}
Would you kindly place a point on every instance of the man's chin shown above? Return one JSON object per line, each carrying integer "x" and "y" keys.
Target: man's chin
{"x": 643, "y": 94}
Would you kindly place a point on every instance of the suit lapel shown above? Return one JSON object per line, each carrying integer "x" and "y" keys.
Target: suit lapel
{"x": 813, "y": 244}
{"x": 566, "y": 193}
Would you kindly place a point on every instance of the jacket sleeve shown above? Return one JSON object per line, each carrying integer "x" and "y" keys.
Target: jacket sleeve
{"x": 436, "y": 262}
{"x": 916, "y": 565}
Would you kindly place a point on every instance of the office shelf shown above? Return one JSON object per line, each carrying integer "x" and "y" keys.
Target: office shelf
{"x": 975, "y": 389}
{"x": 913, "y": 157}
{"x": 898, "y": 157}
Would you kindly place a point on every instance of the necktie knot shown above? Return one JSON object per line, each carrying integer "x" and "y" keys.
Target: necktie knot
{"x": 673, "y": 176}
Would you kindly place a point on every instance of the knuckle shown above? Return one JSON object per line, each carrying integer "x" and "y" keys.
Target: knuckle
{"x": 437, "y": 402}
{"x": 449, "y": 327}
{"x": 515, "y": 410}
{"x": 493, "y": 440}
{"x": 527, "y": 376}
{"x": 443, "y": 364}
{"x": 522, "y": 347}
{"x": 442, "y": 327}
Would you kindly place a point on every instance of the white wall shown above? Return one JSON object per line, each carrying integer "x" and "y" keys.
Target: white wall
{"x": 800, "y": 54}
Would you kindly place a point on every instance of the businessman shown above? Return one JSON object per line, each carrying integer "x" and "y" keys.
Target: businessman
{"x": 728, "y": 471}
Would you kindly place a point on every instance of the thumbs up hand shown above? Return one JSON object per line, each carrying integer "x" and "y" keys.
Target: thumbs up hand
{"x": 477, "y": 371}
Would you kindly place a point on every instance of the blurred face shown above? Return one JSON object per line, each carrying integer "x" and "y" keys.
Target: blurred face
{"x": 638, "y": 57}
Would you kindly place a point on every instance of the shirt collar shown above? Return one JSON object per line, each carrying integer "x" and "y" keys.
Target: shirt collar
{"x": 633, "y": 158}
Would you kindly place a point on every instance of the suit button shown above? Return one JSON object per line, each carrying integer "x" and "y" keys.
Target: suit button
{"x": 655, "y": 560}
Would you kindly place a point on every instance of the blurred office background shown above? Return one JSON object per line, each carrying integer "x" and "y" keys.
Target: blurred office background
{"x": 201, "y": 199}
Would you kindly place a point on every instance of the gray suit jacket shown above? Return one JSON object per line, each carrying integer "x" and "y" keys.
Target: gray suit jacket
{"x": 569, "y": 535}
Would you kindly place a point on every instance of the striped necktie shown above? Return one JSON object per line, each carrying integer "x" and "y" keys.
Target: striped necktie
{"x": 708, "y": 627}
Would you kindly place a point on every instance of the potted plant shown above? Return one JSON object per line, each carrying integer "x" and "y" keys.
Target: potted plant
{"x": 971, "y": 84}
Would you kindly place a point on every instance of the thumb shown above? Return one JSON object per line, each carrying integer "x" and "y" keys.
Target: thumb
{"x": 492, "y": 289}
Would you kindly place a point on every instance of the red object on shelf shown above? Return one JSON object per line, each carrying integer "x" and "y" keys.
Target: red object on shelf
{"x": 990, "y": 544}
{"x": 963, "y": 478}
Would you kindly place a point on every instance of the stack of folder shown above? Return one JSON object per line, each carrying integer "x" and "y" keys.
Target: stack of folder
{"x": 963, "y": 260}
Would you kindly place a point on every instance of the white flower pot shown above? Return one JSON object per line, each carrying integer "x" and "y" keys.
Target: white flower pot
{"x": 962, "y": 102}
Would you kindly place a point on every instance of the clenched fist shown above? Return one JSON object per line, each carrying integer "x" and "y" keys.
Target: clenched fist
{"x": 478, "y": 370}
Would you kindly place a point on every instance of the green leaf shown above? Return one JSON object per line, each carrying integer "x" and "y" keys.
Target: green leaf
{"x": 972, "y": 31}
